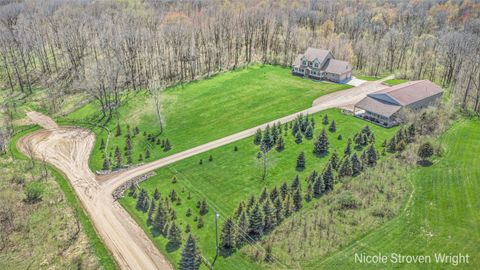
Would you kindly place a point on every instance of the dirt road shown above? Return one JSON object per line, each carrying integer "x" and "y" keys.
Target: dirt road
{"x": 68, "y": 149}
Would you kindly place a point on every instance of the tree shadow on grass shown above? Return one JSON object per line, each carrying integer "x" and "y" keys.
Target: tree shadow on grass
{"x": 171, "y": 247}
{"x": 324, "y": 154}
{"x": 424, "y": 163}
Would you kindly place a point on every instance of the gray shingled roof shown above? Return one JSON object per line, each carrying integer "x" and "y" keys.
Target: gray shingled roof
{"x": 313, "y": 53}
{"x": 409, "y": 92}
{"x": 378, "y": 106}
{"x": 337, "y": 66}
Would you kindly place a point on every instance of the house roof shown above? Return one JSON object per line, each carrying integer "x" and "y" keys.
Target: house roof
{"x": 313, "y": 53}
{"x": 409, "y": 92}
{"x": 337, "y": 66}
{"x": 388, "y": 101}
{"x": 378, "y": 106}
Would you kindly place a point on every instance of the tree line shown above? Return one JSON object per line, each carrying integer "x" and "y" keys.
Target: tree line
{"x": 106, "y": 47}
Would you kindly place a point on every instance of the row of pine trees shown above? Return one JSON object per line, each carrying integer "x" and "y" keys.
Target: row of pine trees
{"x": 117, "y": 159}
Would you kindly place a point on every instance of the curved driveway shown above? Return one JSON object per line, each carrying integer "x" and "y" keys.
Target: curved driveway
{"x": 69, "y": 148}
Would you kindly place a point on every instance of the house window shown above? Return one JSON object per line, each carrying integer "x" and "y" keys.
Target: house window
{"x": 304, "y": 63}
{"x": 316, "y": 65}
{"x": 314, "y": 72}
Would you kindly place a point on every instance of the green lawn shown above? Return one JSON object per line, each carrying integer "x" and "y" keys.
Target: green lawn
{"x": 234, "y": 176}
{"x": 443, "y": 215}
{"x": 393, "y": 82}
{"x": 205, "y": 110}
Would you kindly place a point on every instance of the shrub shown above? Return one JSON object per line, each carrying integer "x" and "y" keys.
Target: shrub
{"x": 348, "y": 201}
{"x": 34, "y": 192}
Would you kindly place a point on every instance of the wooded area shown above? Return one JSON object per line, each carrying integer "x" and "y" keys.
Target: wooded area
{"x": 105, "y": 47}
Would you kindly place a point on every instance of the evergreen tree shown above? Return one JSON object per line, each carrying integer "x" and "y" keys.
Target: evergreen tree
{"x": 313, "y": 175}
{"x": 128, "y": 145}
{"x": 392, "y": 145}
{"x": 160, "y": 218}
{"x": 228, "y": 235}
{"x": 348, "y": 148}
{"x": 173, "y": 195}
{"x": 251, "y": 203}
{"x": 295, "y": 128}
{"x": 267, "y": 140}
{"x": 174, "y": 179}
{"x": 158, "y": 142}
{"x": 240, "y": 209}
{"x": 167, "y": 146}
{"x": 356, "y": 164}
{"x": 328, "y": 178}
{"x": 371, "y": 156}
{"x": 200, "y": 223}
{"x": 242, "y": 229}
{"x": 106, "y": 164}
{"x": 235, "y": 149}
{"x": 263, "y": 195}
{"x": 309, "y": 192}
{"x": 345, "y": 168}
{"x": 278, "y": 210}
{"x": 312, "y": 122}
{"x": 140, "y": 157}
{"x": 156, "y": 194}
{"x": 295, "y": 183}
{"x": 318, "y": 186}
{"x": 189, "y": 212}
{"x": 210, "y": 158}
{"x": 384, "y": 144}
{"x": 300, "y": 162}
{"x": 129, "y": 158}
{"x": 274, "y": 194}
{"x": 334, "y": 160}
{"x": 258, "y": 137}
{"x": 141, "y": 199}
{"x": 102, "y": 144}
{"x": 340, "y": 137}
{"x": 325, "y": 120}
{"x": 191, "y": 258}
{"x": 411, "y": 133}
{"x": 297, "y": 200}
{"x": 274, "y": 134}
{"x": 309, "y": 133}
{"x": 425, "y": 151}
{"x": 332, "y": 127}
{"x": 174, "y": 235}
{"x": 118, "y": 131}
{"x": 203, "y": 207}
{"x": 255, "y": 229}
{"x": 118, "y": 157}
{"x": 151, "y": 210}
{"x": 280, "y": 144}
{"x": 284, "y": 190}
{"x": 136, "y": 131}
{"x": 187, "y": 228}
{"x": 268, "y": 216}
{"x": 287, "y": 206}
{"x": 200, "y": 162}
{"x": 298, "y": 137}
{"x": 322, "y": 144}
{"x": 147, "y": 153}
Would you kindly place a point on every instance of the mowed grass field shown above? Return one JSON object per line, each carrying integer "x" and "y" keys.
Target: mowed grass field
{"x": 234, "y": 176}
{"x": 442, "y": 215}
{"x": 204, "y": 110}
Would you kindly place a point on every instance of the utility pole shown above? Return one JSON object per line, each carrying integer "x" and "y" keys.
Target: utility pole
{"x": 217, "y": 215}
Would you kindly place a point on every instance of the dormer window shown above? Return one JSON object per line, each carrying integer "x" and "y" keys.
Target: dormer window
{"x": 316, "y": 65}
{"x": 304, "y": 62}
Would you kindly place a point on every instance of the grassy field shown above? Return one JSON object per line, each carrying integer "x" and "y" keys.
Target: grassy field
{"x": 233, "y": 176}
{"x": 393, "y": 82}
{"x": 62, "y": 208}
{"x": 202, "y": 111}
{"x": 443, "y": 215}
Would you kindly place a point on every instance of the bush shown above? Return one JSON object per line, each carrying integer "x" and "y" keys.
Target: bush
{"x": 34, "y": 192}
{"x": 348, "y": 201}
